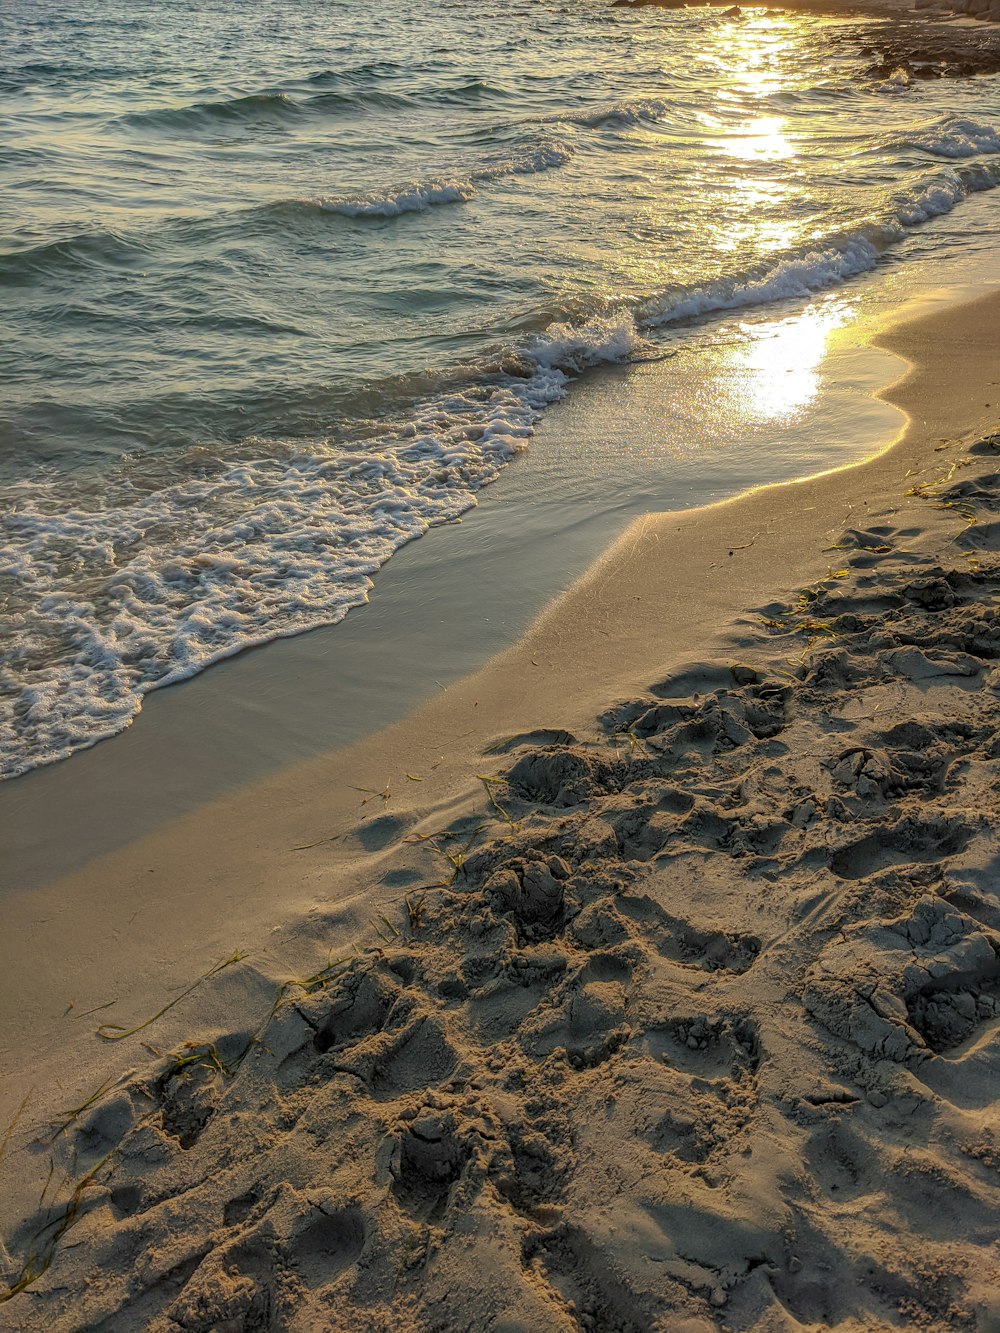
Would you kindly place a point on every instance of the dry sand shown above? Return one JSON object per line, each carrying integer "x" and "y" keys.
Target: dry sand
{"x": 691, "y": 1023}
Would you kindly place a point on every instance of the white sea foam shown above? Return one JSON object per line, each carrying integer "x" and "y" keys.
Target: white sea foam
{"x": 280, "y": 540}
{"x": 416, "y": 196}
{"x": 953, "y": 137}
{"x": 577, "y": 347}
{"x": 831, "y": 262}
{"x": 633, "y": 112}
{"x": 813, "y": 271}
{"x": 412, "y": 198}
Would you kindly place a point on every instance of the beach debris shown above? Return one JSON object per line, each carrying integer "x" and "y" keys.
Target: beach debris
{"x": 117, "y": 1032}
{"x": 383, "y": 793}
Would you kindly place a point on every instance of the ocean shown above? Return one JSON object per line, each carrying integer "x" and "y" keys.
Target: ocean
{"x": 283, "y": 288}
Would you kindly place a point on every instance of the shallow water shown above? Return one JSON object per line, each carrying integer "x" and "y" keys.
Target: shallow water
{"x": 281, "y": 291}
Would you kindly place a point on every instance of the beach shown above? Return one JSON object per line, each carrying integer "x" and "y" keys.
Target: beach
{"x": 645, "y": 978}
{"x": 308, "y": 288}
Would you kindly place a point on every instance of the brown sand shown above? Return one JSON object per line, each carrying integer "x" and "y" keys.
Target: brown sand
{"x": 694, "y": 1023}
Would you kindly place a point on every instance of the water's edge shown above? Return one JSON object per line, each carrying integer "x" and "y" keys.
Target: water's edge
{"x": 446, "y": 604}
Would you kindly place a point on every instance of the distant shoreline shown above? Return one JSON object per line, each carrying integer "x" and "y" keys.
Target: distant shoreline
{"x": 920, "y": 38}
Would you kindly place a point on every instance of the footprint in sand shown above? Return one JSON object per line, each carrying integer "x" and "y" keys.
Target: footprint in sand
{"x": 369, "y": 1025}
{"x": 681, "y": 942}
{"x": 244, "y": 1283}
{"x": 726, "y": 1047}
{"x": 431, "y": 1152}
{"x": 909, "y": 839}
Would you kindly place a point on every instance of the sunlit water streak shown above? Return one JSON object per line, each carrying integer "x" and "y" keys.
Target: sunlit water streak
{"x": 283, "y": 289}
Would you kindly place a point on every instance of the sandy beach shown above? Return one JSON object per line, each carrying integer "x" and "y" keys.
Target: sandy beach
{"x": 647, "y": 978}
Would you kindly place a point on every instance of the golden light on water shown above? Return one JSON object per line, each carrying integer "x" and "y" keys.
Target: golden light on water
{"x": 771, "y": 374}
{"x": 754, "y": 55}
{"x": 774, "y": 372}
{"x": 762, "y": 138}
{"x": 762, "y": 217}
{"x": 775, "y": 375}
{"x": 752, "y": 51}
{"x": 748, "y": 137}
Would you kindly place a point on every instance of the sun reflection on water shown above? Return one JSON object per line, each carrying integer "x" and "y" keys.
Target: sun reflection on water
{"x": 761, "y": 208}
{"x": 762, "y": 138}
{"x": 759, "y": 204}
{"x": 776, "y": 373}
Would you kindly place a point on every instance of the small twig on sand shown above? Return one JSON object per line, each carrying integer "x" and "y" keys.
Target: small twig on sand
{"x": 487, "y": 783}
{"x": 9, "y": 1132}
{"x": 385, "y": 793}
{"x": 66, "y": 1118}
{"x": 745, "y": 545}
{"x": 306, "y": 846}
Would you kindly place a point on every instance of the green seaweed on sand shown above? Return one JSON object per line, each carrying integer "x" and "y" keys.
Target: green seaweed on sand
{"x": 115, "y": 1032}
{"x": 307, "y": 846}
{"x": 8, "y": 1133}
{"x": 788, "y": 624}
{"x": 386, "y": 931}
{"x": 924, "y": 490}
{"x": 489, "y": 782}
{"x": 39, "y": 1258}
{"x": 635, "y": 742}
{"x": 68, "y": 1117}
{"x": 880, "y": 548}
{"x": 385, "y": 794}
{"x": 194, "y": 1053}
{"x": 438, "y": 842}
{"x": 964, "y": 510}
{"x": 415, "y": 909}
{"x": 333, "y": 968}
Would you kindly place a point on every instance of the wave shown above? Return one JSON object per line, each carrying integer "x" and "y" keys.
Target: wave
{"x": 831, "y": 261}
{"x": 470, "y": 90}
{"x": 417, "y": 196}
{"x": 255, "y": 108}
{"x": 104, "y": 248}
{"x": 23, "y": 156}
{"x": 88, "y": 250}
{"x": 643, "y": 109}
{"x": 335, "y": 102}
{"x": 281, "y": 108}
{"x": 280, "y": 540}
{"x": 363, "y": 73}
{"x": 412, "y": 198}
{"x": 952, "y": 137}
{"x": 52, "y": 74}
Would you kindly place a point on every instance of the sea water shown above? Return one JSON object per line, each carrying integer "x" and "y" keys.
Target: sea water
{"x": 282, "y": 288}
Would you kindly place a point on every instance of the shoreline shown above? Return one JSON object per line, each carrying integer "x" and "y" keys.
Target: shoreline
{"x": 450, "y": 601}
{"x": 638, "y": 614}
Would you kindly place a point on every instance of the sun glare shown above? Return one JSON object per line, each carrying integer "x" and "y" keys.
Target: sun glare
{"x": 776, "y": 374}
{"x": 762, "y": 138}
